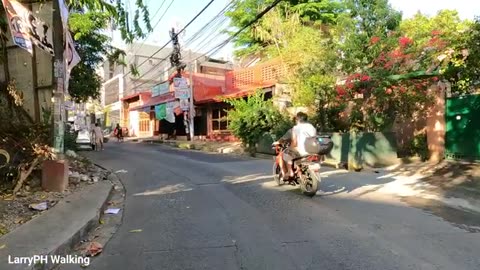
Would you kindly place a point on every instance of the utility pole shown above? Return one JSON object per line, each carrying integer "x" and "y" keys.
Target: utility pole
{"x": 58, "y": 81}
{"x": 191, "y": 113}
{"x": 176, "y": 61}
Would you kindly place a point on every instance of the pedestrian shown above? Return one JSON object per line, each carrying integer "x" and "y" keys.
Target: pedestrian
{"x": 98, "y": 136}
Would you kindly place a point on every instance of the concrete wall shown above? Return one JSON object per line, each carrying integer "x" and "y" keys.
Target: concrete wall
{"x": 20, "y": 65}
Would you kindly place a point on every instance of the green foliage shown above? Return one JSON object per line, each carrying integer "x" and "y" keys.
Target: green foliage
{"x": 419, "y": 146}
{"x": 463, "y": 70}
{"x": 92, "y": 46}
{"x": 119, "y": 16}
{"x": 252, "y": 117}
{"x": 310, "y": 12}
{"x": 364, "y": 20}
{"x": 70, "y": 140}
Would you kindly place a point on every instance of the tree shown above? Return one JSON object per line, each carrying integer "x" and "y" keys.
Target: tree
{"x": 310, "y": 12}
{"x": 119, "y": 16}
{"x": 364, "y": 20}
{"x": 92, "y": 46}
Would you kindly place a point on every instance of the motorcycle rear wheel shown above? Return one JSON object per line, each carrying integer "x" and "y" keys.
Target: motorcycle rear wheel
{"x": 277, "y": 171}
{"x": 309, "y": 183}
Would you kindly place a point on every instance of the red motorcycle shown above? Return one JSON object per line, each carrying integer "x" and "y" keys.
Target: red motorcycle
{"x": 306, "y": 168}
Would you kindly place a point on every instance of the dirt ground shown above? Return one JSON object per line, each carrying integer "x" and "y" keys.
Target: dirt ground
{"x": 17, "y": 211}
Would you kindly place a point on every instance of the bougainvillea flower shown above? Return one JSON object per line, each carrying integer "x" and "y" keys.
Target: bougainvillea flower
{"x": 374, "y": 40}
{"x": 405, "y": 41}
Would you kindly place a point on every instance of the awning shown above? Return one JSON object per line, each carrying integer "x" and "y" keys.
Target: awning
{"x": 235, "y": 94}
{"x": 168, "y": 97}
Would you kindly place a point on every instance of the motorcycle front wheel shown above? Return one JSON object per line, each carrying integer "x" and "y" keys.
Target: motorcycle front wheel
{"x": 277, "y": 173}
{"x": 309, "y": 183}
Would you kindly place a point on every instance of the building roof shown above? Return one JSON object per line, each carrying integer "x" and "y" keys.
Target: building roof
{"x": 168, "y": 97}
{"x": 141, "y": 95}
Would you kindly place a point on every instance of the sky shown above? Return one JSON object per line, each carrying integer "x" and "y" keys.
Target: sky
{"x": 182, "y": 11}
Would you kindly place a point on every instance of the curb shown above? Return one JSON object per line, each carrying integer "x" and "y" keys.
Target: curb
{"x": 66, "y": 241}
{"x": 69, "y": 245}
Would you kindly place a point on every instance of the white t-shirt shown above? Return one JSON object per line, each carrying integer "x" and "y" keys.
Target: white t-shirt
{"x": 303, "y": 131}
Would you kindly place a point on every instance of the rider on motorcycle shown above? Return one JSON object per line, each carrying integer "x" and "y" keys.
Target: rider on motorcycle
{"x": 297, "y": 136}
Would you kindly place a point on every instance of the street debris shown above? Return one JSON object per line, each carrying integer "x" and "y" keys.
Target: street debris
{"x": 121, "y": 171}
{"x": 93, "y": 249}
{"x": 39, "y": 206}
{"x": 136, "y": 231}
{"x": 113, "y": 211}
{"x": 3, "y": 246}
{"x": 71, "y": 153}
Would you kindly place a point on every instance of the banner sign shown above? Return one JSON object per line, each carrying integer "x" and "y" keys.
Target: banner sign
{"x": 182, "y": 93}
{"x": 26, "y": 28}
{"x": 71, "y": 57}
{"x": 64, "y": 14}
{"x": 180, "y": 83}
{"x": 161, "y": 111}
{"x": 185, "y": 104}
{"x": 170, "y": 116}
{"x": 160, "y": 89}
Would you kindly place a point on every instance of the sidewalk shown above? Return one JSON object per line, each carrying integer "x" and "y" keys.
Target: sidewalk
{"x": 56, "y": 231}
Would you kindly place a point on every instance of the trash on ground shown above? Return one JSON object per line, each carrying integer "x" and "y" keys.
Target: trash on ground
{"x": 113, "y": 211}
{"x": 102, "y": 221}
{"x": 93, "y": 249}
{"x": 3, "y": 246}
{"x": 136, "y": 231}
{"x": 121, "y": 171}
{"x": 71, "y": 153}
{"x": 39, "y": 206}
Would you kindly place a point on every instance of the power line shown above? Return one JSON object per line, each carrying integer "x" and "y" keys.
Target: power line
{"x": 156, "y": 24}
{"x": 193, "y": 36}
{"x": 225, "y": 42}
{"x": 209, "y": 25}
{"x": 257, "y": 18}
{"x": 183, "y": 29}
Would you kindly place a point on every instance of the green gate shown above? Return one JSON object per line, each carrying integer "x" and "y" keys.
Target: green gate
{"x": 462, "y": 139}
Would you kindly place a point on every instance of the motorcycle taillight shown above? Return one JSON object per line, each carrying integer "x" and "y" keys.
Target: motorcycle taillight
{"x": 313, "y": 158}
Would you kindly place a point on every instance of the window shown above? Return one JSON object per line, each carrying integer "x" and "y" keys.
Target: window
{"x": 219, "y": 119}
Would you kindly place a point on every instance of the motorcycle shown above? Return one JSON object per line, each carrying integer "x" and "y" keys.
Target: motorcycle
{"x": 306, "y": 168}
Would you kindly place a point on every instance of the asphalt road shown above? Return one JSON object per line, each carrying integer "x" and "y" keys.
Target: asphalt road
{"x": 208, "y": 211}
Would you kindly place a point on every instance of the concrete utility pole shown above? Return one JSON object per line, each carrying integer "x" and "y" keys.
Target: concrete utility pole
{"x": 58, "y": 82}
{"x": 55, "y": 172}
{"x": 191, "y": 113}
{"x": 176, "y": 61}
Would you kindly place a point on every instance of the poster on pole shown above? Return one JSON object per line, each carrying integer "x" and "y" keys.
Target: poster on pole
{"x": 182, "y": 93}
{"x": 26, "y": 28}
{"x": 185, "y": 104}
{"x": 180, "y": 83}
{"x": 160, "y": 89}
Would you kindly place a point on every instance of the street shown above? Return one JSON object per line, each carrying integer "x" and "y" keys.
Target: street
{"x": 209, "y": 211}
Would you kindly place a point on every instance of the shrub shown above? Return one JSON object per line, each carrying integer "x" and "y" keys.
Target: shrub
{"x": 419, "y": 146}
{"x": 254, "y": 116}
